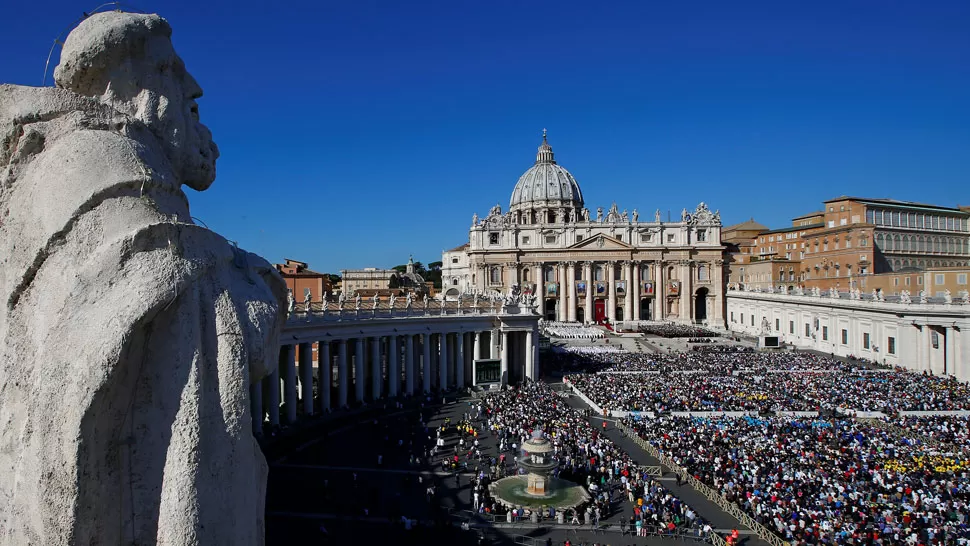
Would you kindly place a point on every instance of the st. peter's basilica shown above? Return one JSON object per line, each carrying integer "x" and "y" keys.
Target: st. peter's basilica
{"x": 583, "y": 266}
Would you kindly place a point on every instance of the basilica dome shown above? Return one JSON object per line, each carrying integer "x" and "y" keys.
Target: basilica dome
{"x": 546, "y": 184}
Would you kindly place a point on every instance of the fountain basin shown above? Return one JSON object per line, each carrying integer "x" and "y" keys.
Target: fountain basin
{"x": 513, "y": 492}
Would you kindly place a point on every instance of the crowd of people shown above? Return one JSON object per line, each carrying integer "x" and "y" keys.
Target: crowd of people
{"x": 757, "y": 381}
{"x": 951, "y": 430}
{"x": 570, "y": 330}
{"x": 585, "y": 455}
{"x": 817, "y": 481}
{"x": 672, "y": 329}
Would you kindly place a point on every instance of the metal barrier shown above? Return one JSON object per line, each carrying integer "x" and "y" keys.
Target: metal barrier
{"x": 763, "y": 532}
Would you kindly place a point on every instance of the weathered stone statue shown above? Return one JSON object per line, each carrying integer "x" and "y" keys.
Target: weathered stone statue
{"x": 636, "y": 216}
{"x": 922, "y": 296}
{"x": 586, "y": 215}
{"x": 129, "y": 336}
{"x": 306, "y": 301}
{"x": 474, "y": 219}
{"x": 947, "y": 297}
{"x": 656, "y": 216}
{"x": 290, "y": 303}
{"x": 599, "y": 214}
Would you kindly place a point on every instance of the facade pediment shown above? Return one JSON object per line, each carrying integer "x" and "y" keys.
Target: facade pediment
{"x": 600, "y": 242}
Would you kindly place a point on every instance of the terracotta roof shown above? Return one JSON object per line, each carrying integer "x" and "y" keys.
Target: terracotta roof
{"x": 816, "y": 213}
{"x": 748, "y": 224}
{"x": 457, "y": 248}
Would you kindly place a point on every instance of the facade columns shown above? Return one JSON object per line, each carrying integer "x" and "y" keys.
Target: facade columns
{"x": 306, "y": 377}
{"x": 343, "y": 380}
{"x": 443, "y": 361}
{"x": 636, "y": 291}
{"x": 660, "y": 291}
{"x": 288, "y": 356}
{"x": 325, "y": 373}
{"x": 359, "y": 357}
{"x": 409, "y": 363}
{"x": 570, "y": 289}
{"x": 377, "y": 375}
{"x": 505, "y": 358}
{"x": 426, "y": 362}
{"x": 393, "y": 372}
{"x": 562, "y": 302}
{"x": 493, "y": 351}
{"x": 477, "y": 347}
{"x": 256, "y": 407}
{"x": 687, "y": 291}
{"x": 273, "y": 396}
{"x": 628, "y": 298}
{"x": 611, "y": 297}
{"x": 589, "y": 314}
{"x": 460, "y": 360}
{"x": 530, "y": 372}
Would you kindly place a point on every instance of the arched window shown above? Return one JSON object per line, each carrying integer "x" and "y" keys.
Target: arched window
{"x": 880, "y": 241}
{"x": 494, "y": 275}
{"x": 549, "y": 274}
{"x": 527, "y": 275}
{"x": 702, "y": 274}
{"x": 598, "y": 273}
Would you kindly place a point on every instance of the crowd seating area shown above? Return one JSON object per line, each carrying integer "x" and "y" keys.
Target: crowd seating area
{"x": 827, "y": 481}
{"x": 671, "y": 329}
{"x": 951, "y": 431}
{"x": 570, "y": 330}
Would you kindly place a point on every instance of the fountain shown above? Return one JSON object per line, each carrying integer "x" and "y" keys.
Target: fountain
{"x": 538, "y": 487}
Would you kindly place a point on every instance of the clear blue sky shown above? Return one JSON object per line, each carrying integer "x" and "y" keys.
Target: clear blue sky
{"x": 355, "y": 133}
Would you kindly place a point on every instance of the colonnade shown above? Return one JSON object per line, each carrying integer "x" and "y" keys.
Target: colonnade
{"x": 335, "y": 372}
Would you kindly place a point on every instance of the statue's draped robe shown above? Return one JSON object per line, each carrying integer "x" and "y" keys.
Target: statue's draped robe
{"x": 129, "y": 339}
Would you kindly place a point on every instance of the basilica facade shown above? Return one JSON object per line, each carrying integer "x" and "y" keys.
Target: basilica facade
{"x": 590, "y": 267}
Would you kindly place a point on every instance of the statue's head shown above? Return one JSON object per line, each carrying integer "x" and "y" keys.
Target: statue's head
{"x": 128, "y": 61}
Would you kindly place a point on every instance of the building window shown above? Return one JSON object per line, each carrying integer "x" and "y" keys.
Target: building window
{"x": 579, "y": 238}
{"x": 742, "y": 318}
{"x": 494, "y": 275}
{"x": 891, "y": 346}
{"x": 702, "y": 272}
{"x": 865, "y": 341}
{"x": 732, "y": 316}
{"x": 454, "y": 260}
{"x": 791, "y": 327}
{"x": 598, "y": 273}
{"x": 454, "y": 282}
{"x": 961, "y": 278}
{"x": 550, "y": 239}
{"x": 752, "y": 320}
{"x": 525, "y": 239}
{"x": 645, "y": 237}
{"x": 777, "y": 325}
{"x": 701, "y": 235}
{"x": 808, "y": 332}
{"x": 825, "y": 333}
{"x": 619, "y": 237}
{"x": 940, "y": 278}
{"x": 670, "y": 237}
{"x": 845, "y": 337}
{"x": 493, "y": 238}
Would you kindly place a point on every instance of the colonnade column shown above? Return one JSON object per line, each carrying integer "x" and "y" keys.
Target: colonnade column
{"x": 611, "y": 298}
{"x": 256, "y": 407}
{"x": 493, "y": 341}
{"x": 409, "y": 363}
{"x": 588, "y": 314}
{"x": 288, "y": 356}
{"x": 426, "y": 358}
{"x": 636, "y": 291}
{"x": 443, "y": 361}
{"x": 505, "y": 358}
{"x": 460, "y": 359}
{"x": 477, "y": 348}
{"x": 393, "y": 373}
{"x": 324, "y": 373}
{"x": 273, "y": 396}
{"x": 359, "y": 358}
{"x": 306, "y": 377}
{"x": 377, "y": 376}
{"x": 343, "y": 380}
{"x": 570, "y": 289}
{"x": 529, "y": 355}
